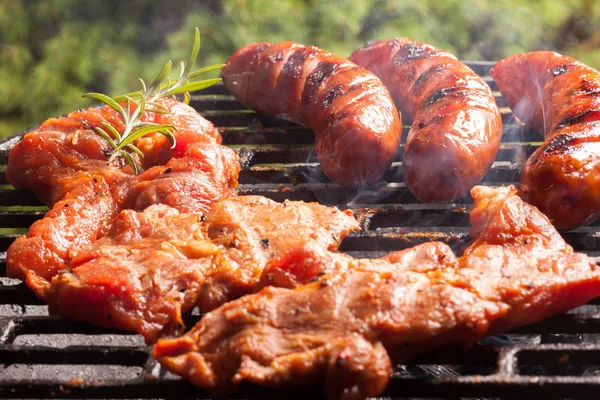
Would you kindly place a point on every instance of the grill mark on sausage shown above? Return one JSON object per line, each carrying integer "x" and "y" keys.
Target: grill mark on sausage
{"x": 427, "y": 73}
{"x": 561, "y": 70}
{"x": 318, "y": 76}
{"x": 276, "y": 57}
{"x": 335, "y": 119}
{"x": 334, "y": 93}
{"x": 262, "y": 47}
{"x": 314, "y": 80}
{"x": 440, "y": 94}
{"x": 433, "y": 120}
{"x": 575, "y": 119}
{"x": 563, "y": 144}
{"x": 338, "y": 91}
{"x": 446, "y": 92}
{"x": 410, "y": 52}
{"x": 322, "y": 72}
{"x": 559, "y": 144}
{"x": 296, "y": 59}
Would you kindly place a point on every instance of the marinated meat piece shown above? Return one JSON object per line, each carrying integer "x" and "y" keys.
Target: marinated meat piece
{"x": 202, "y": 176}
{"x": 141, "y": 276}
{"x": 252, "y": 229}
{"x": 559, "y": 97}
{"x": 64, "y": 163}
{"x": 456, "y": 125}
{"x": 156, "y": 264}
{"x": 346, "y": 328}
{"x": 303, "y": 263}
{"x": 197, "y": 173}
{"x": 82, "y": 216}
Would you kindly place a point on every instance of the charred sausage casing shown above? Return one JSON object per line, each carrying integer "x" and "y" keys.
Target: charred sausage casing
{"x": 559, "y": 96}
{"x": 356, "y": 124}
{"x": 456, "y": 125}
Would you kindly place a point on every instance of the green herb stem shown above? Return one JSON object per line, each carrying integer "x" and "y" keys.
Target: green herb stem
{"x": 146, "y": 99}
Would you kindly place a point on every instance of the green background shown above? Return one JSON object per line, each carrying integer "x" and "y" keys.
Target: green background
{"x": 53, "y": 51}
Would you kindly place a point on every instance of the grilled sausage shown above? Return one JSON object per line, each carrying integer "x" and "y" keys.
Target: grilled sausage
{"x": 559, "y": 96}
{"x": 356, "y": 124}
{"x": 456, "y": 125}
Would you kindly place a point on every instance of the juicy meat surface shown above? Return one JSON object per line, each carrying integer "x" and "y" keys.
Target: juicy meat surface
{"x": 559, "y": 97}
{"x": 154, "y": 265}
{"x": 205, "y": 174}
{"x": 252, "y": 229}
{"x": 346, "y": 328}
{"x": 456, "y": 125}
{"x": 356, "y": 124}
{"x": 64, "y": 162}
{"x": 307, "y": 261}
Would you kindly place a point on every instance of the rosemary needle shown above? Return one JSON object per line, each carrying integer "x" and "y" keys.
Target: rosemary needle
{"x": 146, "y": 100}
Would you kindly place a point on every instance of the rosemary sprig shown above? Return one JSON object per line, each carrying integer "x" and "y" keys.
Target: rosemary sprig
{"x": 146, "y": 99}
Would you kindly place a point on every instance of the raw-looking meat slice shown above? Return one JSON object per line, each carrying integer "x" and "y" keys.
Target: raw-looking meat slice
{"x": 346, "y": 328}
{"x": 64, "y": 163}
{"x": 156, "y": 264}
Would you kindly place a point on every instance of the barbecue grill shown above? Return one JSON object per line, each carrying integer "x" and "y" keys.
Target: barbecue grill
{"x": 47, "y": 356}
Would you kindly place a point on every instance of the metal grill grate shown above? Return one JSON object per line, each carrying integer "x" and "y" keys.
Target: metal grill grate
{"x": 45, "y": 356}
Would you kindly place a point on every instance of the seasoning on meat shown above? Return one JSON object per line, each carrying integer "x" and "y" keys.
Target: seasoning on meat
{"x": 356, "y": 124}
{"x": 63, "y": 162}
{"x": 559, "y": 97}
{"x": 346, "y": 334}
{"x": 456, "y": 125}
{"x": 156, "y": 264}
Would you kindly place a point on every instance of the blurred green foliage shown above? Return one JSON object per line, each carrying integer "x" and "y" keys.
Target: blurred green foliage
{"x": 52, "y": 51}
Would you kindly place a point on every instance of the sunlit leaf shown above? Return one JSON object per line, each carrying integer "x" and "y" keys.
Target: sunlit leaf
{"x": 157, "y": 108}
{"x": 106, "y": 136}
{"x": 132, "y": 95}
{"x": 138, "y": 133}
{"x": 106, "y": 100}
{"x": 205, "y": 70}
{"x": 160, "y": 78}
{"x": 136, "y": 150}
{"x": 130, "y": 161}
{"x": 193, "y": 86}
{"x": 194, "y": 54}
{"x": 112, "y": 130}
{"x": 137, "y": 114}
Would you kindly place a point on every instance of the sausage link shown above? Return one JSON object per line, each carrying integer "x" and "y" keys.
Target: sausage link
{"x": 356, "y": 124}
{"x": 560, "y": 97}
{"x": 456, "y": 125}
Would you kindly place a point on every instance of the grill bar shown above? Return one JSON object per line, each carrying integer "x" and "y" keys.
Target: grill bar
{"x": 554, "y": 358}
{"x": 15, "y": 354}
